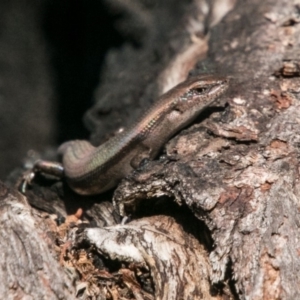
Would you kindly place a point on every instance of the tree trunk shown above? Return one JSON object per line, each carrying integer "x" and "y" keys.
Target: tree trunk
{"x": 216, "y": 215}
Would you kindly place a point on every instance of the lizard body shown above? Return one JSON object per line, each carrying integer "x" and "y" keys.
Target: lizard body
{"x": 92, "y": 170}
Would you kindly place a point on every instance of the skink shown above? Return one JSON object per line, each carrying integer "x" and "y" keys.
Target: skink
{"x": 92, "y": 170}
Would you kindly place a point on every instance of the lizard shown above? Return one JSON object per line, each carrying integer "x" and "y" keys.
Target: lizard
{"x": 92, "y": 170}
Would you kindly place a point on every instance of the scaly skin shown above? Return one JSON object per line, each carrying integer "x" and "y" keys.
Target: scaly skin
{"x": 92, "y": 170}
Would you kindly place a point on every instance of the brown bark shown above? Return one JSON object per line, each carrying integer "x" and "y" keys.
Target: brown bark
{"x": 233, "y": 173}
{"x": 158, "y": 244}
{"x": 29, "y": 269}
{"x": 238, "y": 170}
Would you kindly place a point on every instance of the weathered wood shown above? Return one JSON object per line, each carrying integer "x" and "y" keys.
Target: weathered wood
{"x": 177, "y": 261}
{"x": 29, "y": 268}
{"x": 236, "y": 171}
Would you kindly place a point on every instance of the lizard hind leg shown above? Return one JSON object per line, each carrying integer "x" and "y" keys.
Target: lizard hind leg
{"x": 143, "y": 154}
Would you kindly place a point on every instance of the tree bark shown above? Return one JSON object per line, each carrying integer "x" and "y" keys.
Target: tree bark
{"x": 238, "y": 170}
{"x": 216, "y": 215}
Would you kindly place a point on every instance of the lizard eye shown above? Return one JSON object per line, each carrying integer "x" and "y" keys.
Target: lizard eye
{"x": 201, "y": 90}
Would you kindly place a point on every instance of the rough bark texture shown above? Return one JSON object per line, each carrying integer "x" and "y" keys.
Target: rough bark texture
{"x": 29, "y": 269}
{"x": 160, "y": 245}
{"x": 238, "y": 171}
{"x": 234, "y": 173}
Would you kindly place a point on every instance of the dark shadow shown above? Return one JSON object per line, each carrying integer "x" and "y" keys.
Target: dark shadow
{"x": 79, "y": 34}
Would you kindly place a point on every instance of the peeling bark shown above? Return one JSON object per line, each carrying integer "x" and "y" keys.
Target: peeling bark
{"x": 27, "y": 260}
{"x": 160, "y": 245}
{"x": 239, "y": 170}
{"x": 235, "y": 171}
